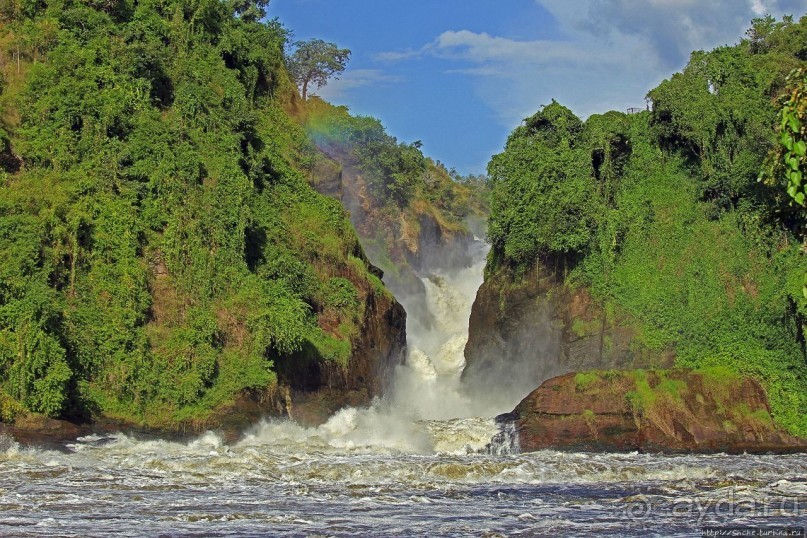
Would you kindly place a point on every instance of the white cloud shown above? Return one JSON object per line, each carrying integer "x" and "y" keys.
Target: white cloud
{"x": 612, "y": 51}
{"x": 480, "y": 48}
{"x": 397, "y": 56}
{"x": 759, "y": 8}
{"x": 670, "y": 28}
{"x": 355, "y": 78}
{"x": 516, "y": 77}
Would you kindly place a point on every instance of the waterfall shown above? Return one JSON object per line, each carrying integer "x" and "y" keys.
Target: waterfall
{"x": 427, "y": 408}
{"x": 428, "y": 384}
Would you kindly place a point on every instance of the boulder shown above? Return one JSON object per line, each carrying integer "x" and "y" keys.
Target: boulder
{"x": 651, "y": 411}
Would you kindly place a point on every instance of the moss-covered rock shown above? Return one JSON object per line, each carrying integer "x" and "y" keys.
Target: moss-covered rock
{"x": 651, "y": 410}
{"x": 527, "y": 328}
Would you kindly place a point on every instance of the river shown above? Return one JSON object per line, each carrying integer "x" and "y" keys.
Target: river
{"x": 415, "y": 463}
{"x": 281, "y": 479}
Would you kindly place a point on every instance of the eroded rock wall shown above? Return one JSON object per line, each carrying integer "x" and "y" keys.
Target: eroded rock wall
{"x": 311, "y": 392}
{"x": 527, "y": 328}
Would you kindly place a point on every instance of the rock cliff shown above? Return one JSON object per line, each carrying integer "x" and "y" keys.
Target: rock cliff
{"x": 528, "y": 328}
{"x": 312, "y": 390}
{"x": 407, "y": 243}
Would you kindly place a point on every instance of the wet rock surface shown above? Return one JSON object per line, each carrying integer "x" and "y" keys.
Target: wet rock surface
{"x": 527, "y": 328}
{"x": 312, "y": 392}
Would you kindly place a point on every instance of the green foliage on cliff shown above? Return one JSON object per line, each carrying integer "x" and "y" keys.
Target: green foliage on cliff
{"x": 542, "y": 186}
{"x": 787, "y": 162}
{"x": 660, "y": 214}
{"x": 159, "y": 249}
{"x": 405, "y": 206}
{"x": 398, "y": 174}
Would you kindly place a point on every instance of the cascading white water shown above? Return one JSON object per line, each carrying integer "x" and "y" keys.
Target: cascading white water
{"x": 428, "y": 385}
{"x": 426, "y": 410}
{"x": 506, "y": 441}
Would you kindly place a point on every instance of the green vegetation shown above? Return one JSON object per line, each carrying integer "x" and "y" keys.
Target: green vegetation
{"x": 589, "y": 416}
{"x": 583, "y": 380}
{"x": 541, "y": 188}
{"x": 403, "y": 204}
{"x": 654, "y": 396}
{"x": 661, "y": 216}
{"x": 643, "y": 397}
{"x": 787, "y": 162}
{"x": 397, "y": 174}
{"x": 789, "y": 159}
{"x": 160, "y": 249}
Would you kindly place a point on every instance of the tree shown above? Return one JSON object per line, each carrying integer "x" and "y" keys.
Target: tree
{"x": 249, "y": 10}
{"x": 540, "y": 205}
{"x": 315, "y": 61}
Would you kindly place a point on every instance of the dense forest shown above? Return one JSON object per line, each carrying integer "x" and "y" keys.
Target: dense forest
{"x": 671, "y": 217}
{"x": 163, "y": 246}
{"x": 161, "y": 250}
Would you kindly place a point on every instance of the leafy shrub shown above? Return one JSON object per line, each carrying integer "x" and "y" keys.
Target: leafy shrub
{"x": 340, "y": 293}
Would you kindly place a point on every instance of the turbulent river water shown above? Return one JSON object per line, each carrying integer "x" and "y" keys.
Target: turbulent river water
{"x": 414, "y": 463}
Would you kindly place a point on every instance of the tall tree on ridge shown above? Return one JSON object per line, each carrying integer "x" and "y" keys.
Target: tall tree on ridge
{"x": 316, "y": 61}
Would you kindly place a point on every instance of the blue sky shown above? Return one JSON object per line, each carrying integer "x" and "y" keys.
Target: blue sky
{"x": 459, "y": 75}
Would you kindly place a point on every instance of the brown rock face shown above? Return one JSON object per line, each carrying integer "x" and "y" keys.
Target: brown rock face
{"x": 524, "y": 330}
{"x": 650, "y": 411}
{"x": 407, "y": 243}
{"x": 412, "y": 238}
{"x": 310, "y": 393}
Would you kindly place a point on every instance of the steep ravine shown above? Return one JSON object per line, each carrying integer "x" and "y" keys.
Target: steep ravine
{"x": 434, "y": 268}
{"x": 522, "y": 330}
{"x": 407, "y": 243}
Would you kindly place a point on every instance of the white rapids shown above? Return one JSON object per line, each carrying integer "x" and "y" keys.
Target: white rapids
{"x": 281, "y": 479}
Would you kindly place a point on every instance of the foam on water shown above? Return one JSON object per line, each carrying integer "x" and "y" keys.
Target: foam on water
{"x": 7, "y": 443}
{"x": 284, "y": 479}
